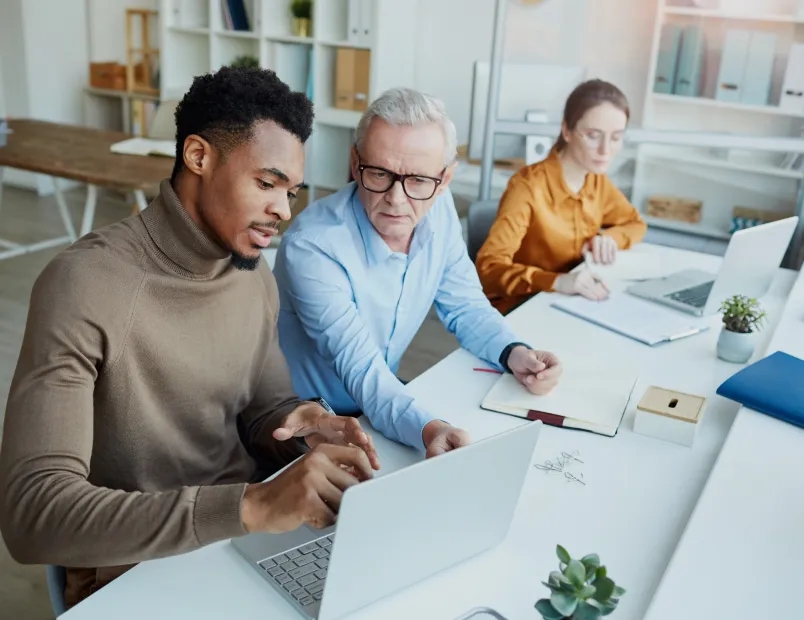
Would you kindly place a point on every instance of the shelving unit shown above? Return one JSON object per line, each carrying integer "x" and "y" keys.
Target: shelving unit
{"x": 195, "y": 40}
{"x": 757, "y": 179}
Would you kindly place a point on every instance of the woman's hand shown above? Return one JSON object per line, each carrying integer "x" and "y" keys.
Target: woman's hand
{"x": 582, "y": 282}
{"x": 602, "y": 248}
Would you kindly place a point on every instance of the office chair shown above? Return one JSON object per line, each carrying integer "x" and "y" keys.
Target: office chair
{"x": 56, "y": 580}
{"x": 481, "y": 217}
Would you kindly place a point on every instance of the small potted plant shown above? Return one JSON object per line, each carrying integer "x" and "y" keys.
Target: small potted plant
{"x": 742, "y": 318}
{"x": 302, "y": 11}
{"x": 581, "y": 590}
{"x": 247, "y": 61}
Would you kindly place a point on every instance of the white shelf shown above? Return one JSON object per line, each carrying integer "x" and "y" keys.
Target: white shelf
{"x": 724, "y": 164}
{"x": 238, "y": 34}
{"x": 338, "y": 118}
{"x": 289, "y": 39}
{"x": 332, "y": 43}
{"x": 702, "y": 229}
{"x": 181, "y": 30}
{"x": 735, "y": 15}
{"x": 725, "y": 105}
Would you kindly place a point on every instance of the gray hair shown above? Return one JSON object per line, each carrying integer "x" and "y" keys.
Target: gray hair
{"x": 406, "y": 106}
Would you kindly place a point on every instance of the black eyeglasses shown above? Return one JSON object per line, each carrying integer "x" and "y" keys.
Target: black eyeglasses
{"x": 416, "y": 187}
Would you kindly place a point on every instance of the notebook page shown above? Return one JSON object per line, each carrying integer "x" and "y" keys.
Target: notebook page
{"x": 589, "y": 393}
{"x": 632, "y": 265}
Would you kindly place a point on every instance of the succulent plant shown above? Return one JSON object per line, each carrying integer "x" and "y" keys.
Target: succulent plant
{"x": 247, "y": 61}
{"x": 302, "y": 9}
{"x": 580, "y": 590}
{"x": 742, "y": 314}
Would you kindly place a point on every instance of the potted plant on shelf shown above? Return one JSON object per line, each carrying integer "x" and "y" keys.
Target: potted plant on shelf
{"x": 302, "y": 11}
{"x": 581, "y": 590}
{"x": 742, "y": 318}
{"x": 247, "y": 61}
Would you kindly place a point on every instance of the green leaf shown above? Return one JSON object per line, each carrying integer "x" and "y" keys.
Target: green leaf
{"x": 601, "y": 572}
{"x": 586, "y": 592}
{"x": 586, "y": 612}
{"x": 546, "y": 609}
{"x": 605, "y": 588}
{"x": 618, "y": 592}
{"x": 564, "y": 602}
{"x": 591, "y": 560}
{"x": 562, "y": 554}
{"x": 608, "y": 609}
{"x": 576, "y": 573}
{"x": 552, "y": 587}
{"x": 558, "y": 577}
{"x": 594, "y": 603}
{"x": 568, "y": 587}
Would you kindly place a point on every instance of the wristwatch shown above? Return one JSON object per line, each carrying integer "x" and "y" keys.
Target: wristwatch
{"x": 506, "y": 353}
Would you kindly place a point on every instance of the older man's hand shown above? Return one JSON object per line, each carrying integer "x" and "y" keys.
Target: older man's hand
{"x": 316, "y": 425}
{"x": 538, "y": 371}
{"x": 440, "y": 437}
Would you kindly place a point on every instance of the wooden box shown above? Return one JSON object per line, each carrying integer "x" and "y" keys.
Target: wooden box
{"x": 669, "y": 415}
{"x": 675, "y": 208}
{"x": 110, "y": 75}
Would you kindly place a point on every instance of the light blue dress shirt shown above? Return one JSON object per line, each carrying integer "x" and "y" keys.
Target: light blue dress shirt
{"x": 349, "y": 307}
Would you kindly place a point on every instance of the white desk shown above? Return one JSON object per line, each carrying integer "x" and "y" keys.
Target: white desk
{"x": 639, "y": 494}
{"x": 740, "y": 554}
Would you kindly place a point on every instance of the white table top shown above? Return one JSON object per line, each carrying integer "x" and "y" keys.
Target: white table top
{"x": 739, "y": 555}
{"x": 639, "y": 494}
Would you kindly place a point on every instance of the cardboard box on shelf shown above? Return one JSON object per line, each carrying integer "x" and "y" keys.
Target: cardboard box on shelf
{"x": 675, "y": 208}
{"x": 352, "y": 71}
{"x": 109, "y": 75}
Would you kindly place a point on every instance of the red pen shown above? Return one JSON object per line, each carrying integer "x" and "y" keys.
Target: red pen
{"x": 491, "y": 370}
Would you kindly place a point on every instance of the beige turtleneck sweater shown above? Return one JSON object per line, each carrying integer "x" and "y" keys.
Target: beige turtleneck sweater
{"x": 143, "y": 346}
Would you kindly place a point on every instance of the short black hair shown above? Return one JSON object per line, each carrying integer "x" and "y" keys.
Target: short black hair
{"x": 222, "y": 108}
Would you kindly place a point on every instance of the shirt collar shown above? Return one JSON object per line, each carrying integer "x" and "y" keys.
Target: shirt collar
{"x": 188, "y": 250}
{"x": 377, "y": 250}
{"x": 559, "y": 185}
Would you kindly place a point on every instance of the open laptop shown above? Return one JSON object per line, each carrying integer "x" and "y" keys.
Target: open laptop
{"x": 400, "y": 528}
{"x": 748, "y": 268}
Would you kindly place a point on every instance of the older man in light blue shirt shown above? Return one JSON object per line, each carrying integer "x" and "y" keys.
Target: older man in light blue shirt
{"x": 359, "y": 270}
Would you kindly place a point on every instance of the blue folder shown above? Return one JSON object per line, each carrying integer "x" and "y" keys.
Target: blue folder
{"x": 773, "y": 385}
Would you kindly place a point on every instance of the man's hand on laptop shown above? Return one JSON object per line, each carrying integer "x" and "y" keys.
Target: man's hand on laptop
{"x": 308, "y": 492}
{"x": 317, "y": 426}
{"x": 440, "y": 437}
{"x": 538, "y": 371}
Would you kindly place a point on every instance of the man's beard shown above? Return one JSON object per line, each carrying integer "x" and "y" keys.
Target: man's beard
{"x": 245, "y": 263}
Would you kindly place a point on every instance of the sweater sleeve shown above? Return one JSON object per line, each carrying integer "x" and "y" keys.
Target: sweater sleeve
{"x": 499, "y": 274}
{"x": 274, "y": 398}
{"x": 621, "y": 220}
{"x": 51, "y": 513}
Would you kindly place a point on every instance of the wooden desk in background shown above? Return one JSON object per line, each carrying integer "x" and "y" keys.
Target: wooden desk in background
{"x": 81, "y": 154}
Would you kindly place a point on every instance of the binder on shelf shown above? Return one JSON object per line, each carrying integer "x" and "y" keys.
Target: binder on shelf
{"x": 792, "y": 99}
{"x": 345, "y": 66}
{"x": 732, "y": 66}
{"x": 667, "y": 60}
{"x": 361, "y": 86}
{"x": 239, "y": 16}
{"x": 759, "y": 68}
{"x": 690, "y": 61}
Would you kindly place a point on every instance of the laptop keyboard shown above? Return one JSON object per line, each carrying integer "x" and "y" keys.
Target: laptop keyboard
{"x": 695, "y": 296}
{"x": 302, "y": 571}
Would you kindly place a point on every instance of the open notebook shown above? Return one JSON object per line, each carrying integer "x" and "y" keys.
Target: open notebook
{"x": 145, "y": 146}
{"x": 590, "y": 398}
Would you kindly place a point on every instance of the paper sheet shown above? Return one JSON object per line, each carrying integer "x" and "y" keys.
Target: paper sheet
{"x": 145, "y": 146}
{"x": 632, "y": 265}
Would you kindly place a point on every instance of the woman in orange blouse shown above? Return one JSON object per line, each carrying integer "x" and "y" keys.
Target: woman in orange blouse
{"x": 558, "y": 210}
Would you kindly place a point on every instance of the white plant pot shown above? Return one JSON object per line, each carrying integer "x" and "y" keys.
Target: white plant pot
{"x": 735, "y": 347}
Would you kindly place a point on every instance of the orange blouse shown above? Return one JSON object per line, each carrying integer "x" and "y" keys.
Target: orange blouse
{"x": 541, "y": 227}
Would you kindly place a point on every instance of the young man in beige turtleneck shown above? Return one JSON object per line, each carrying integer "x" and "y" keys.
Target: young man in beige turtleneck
{"x": 150, "y": 393}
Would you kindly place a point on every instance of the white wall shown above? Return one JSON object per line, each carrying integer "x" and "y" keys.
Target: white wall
{"x": 107, "y": 27}
{"x": 591, "y": 33}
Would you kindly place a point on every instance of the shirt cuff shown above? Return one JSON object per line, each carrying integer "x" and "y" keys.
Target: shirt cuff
{"x": 411, "y": 426}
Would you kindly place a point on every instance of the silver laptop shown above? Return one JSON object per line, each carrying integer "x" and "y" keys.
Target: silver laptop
{"x": 748, "y": 268}
{"x": 398, "y": 529}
